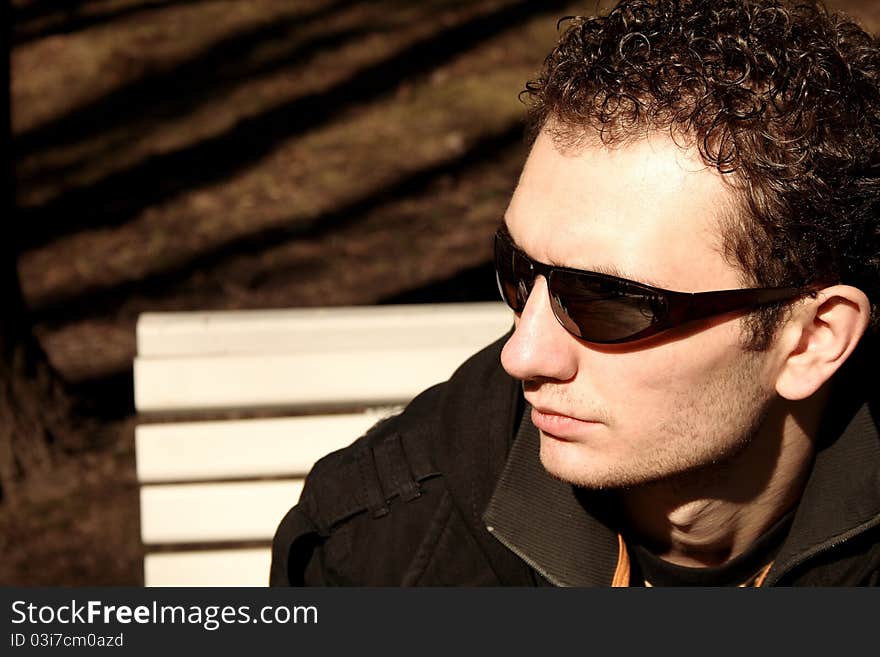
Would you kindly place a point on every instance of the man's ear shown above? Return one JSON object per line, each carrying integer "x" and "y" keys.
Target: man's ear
{"x": 818, "y": 338}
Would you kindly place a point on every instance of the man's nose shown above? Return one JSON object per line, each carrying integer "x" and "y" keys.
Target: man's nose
{"x": 540, "y": 348}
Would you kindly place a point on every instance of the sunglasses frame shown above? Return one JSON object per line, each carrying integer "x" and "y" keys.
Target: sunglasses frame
{"x": 669, "y": 308}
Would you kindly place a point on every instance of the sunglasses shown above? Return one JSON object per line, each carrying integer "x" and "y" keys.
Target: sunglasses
{"x": 607, "y": 309}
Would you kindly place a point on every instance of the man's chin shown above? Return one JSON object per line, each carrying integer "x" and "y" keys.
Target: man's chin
{"x": 574, "y": 464}
{"x": 568, "y": 463}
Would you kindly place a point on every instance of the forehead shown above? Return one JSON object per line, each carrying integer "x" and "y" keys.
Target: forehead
{"x": 649, "y": 209}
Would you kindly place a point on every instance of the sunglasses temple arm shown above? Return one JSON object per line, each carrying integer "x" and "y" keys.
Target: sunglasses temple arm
{"x": 700, "y": 305}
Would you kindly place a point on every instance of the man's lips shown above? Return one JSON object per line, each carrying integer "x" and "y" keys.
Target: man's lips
{"x": 560, "y": 425}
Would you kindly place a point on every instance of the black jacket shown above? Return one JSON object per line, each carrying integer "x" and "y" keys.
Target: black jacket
{"x": 450, "y": 492}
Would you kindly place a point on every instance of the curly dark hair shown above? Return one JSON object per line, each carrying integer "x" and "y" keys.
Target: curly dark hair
{"x": 782, "y": 97}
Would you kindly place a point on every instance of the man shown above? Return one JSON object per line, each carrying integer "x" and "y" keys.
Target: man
{"x": 627, "y": 432}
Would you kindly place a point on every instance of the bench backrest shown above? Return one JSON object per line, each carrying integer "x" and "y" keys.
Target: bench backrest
{"x": 213, "y": 491}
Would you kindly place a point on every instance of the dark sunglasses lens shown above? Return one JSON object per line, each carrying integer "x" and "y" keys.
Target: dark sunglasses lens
{"x": 599, "y": 309}
{"x": 593, "y": 307}
{"x": 515, "y": 277}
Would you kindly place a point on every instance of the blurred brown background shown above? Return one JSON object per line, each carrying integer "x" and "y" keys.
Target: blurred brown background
{"x": 224, "y": 154}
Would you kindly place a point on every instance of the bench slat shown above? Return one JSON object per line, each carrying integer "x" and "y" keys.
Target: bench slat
{"x": 367, "y": 377}
{"x": 161, "y": 335}
{"x": 231, "y": 449}
{"x": 248, "y": 567}
{"x": 233, "y": 511}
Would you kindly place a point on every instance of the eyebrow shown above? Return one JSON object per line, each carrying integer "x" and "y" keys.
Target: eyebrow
{"x": 611, "y": 270}
{"x": 607, "y": 270}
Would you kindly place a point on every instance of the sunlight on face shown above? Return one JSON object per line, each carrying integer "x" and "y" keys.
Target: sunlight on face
{"x": 621, "y": 415}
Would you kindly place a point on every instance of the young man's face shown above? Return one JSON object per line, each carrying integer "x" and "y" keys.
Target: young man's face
{"x": 620, "y": 415}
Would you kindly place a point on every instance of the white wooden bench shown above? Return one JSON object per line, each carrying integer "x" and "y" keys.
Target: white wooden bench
{"x": 213, "y": 491}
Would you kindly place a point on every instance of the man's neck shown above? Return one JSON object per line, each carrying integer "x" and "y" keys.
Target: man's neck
{"x": 710, "y": 516}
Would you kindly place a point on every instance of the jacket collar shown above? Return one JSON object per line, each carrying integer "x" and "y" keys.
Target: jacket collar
{"x": 842, "y": 495}
{"x": 547, "y": 522}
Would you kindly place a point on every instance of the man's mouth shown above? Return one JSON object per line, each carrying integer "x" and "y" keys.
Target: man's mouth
{"x": 560, "y": 425}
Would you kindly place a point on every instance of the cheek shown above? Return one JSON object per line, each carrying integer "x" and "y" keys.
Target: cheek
{"x": 651, "y": 382}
